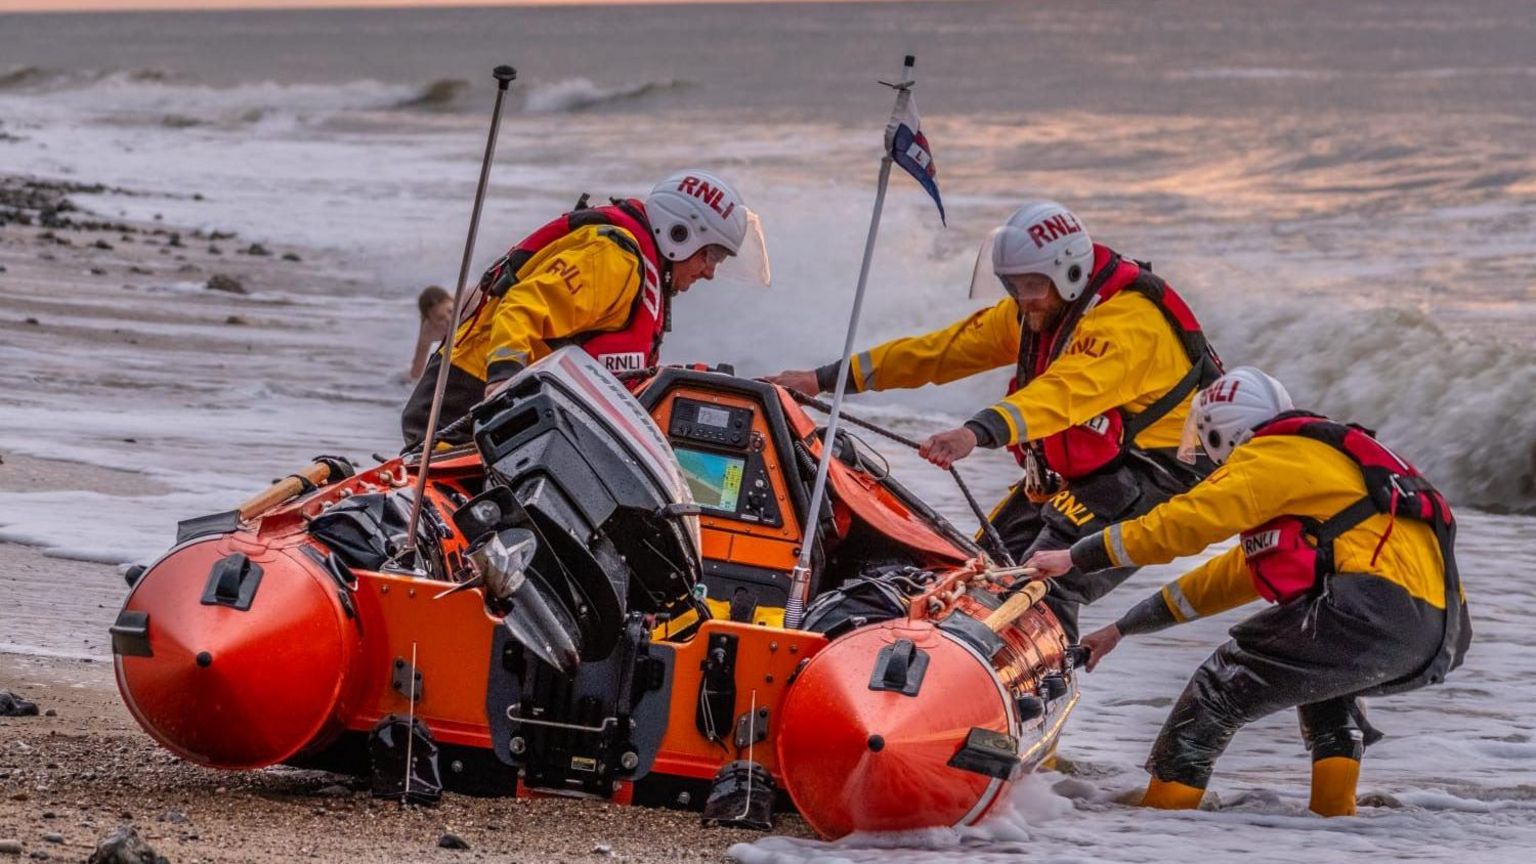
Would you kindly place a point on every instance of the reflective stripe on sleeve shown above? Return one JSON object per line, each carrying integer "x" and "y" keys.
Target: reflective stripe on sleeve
{"x": 865, "y": 379}
{"x": 1015, "y": 420}
{"x": 1180, "y": 603}
{"x": 1117, "y": 547}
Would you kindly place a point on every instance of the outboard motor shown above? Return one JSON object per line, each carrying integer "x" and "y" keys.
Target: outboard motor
{"x": 585, "y": 532}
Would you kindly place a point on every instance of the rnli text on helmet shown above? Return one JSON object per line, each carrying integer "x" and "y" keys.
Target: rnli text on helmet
{"x": 1057, "y": 226}
{"x": 1221, "y": 391}
{"x": 711, "y": 195}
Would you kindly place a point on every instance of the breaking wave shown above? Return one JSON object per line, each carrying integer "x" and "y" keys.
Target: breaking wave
{"x": 38, "y": 78}
{"x": 19, "y": 77}
{"x": 580, "y": 94}
{"x": 571, "y": 94}
{"x": 1458, "y": 406}
{"x": 153, "y": 97}
{"x": 437, "y": 96}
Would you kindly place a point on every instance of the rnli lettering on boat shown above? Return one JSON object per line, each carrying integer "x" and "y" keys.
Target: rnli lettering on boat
{"x": 629, "y": 361}
{"x": 711, "y": 195}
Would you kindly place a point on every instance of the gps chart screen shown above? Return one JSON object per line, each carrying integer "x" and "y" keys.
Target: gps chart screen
{"x": 714, "y": 480}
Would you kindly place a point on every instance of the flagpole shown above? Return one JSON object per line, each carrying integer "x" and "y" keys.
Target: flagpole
{"x": 800, "y": 577}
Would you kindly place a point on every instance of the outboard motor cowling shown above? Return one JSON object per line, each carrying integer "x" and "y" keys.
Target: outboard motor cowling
{"x": 595, "y": 481}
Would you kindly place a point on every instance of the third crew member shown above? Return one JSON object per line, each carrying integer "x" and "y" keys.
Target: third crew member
{"x": 1349, "y": 541}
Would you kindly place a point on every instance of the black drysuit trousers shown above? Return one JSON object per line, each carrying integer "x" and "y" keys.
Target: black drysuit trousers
{"x": 1359, "y": 636}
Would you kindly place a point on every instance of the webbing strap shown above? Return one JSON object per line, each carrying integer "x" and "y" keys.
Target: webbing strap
{"x": 1137, "y": 423}
{"x": 1334, "y": 526}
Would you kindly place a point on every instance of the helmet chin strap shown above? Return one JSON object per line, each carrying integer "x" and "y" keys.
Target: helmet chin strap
{"x": 667, "y": 289}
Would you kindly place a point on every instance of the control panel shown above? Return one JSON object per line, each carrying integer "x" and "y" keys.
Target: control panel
{"x": 721, "y": 457}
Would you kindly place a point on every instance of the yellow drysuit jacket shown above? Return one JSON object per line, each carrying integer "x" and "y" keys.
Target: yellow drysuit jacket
{"x": 1265, "y": 478}
{"x": 1123, "y": 354}
{"x": 584, "y": 282}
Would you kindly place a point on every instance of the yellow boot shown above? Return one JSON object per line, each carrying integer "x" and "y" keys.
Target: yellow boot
{"x": 1333, "y": 786}
{"x": 1171, "y": 795}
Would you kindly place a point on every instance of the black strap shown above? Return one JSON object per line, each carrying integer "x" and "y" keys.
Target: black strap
{"x": 341, "y": 467}
{"x": 1334, "y": 526}
{"x": 305, "y": 486}
{"x": 631, "y": 211}
{"x": 1137, "y": 423}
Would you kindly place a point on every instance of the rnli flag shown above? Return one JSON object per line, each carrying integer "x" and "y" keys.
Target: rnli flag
{"x": 909, "y": 148}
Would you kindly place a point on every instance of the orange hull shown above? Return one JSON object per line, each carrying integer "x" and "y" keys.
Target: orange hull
{"x": 250, "y": 644}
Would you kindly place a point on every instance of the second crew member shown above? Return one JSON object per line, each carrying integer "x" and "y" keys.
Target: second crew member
{"x": 1106, "y": 357}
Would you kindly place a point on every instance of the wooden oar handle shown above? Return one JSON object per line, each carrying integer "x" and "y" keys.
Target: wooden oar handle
{"x": 316, "y": 473}
{"x": 1014, "y": 606}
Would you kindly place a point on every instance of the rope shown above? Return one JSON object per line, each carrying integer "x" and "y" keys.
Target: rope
{"x": 987, "y": 528}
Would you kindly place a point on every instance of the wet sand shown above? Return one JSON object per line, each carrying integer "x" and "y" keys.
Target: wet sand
{"x": 85, "y": 767}
{"x": 89, "y": 769}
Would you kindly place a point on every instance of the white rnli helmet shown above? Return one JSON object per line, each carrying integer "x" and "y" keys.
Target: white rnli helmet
{"x": 1225, "y": 414}
{"x": 1041, "y": 237}
{"x": 693, "y": 209}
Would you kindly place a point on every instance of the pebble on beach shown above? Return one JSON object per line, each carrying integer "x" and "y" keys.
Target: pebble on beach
{"x": 227, "y": 284}
{"x": 125, "y": 846}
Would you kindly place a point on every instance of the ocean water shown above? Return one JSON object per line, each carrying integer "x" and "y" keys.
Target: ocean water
{"x": 1346, "y": 192}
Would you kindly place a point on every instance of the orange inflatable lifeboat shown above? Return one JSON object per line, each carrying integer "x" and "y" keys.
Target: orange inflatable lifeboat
{"x": 593, "y": 605}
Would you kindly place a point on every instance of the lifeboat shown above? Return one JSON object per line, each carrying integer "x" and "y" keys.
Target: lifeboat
{"x": 593, "y": 605}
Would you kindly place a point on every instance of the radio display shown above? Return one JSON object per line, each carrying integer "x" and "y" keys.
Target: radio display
{"x": 714, "y": 480}
{"x": 718, "y": 418}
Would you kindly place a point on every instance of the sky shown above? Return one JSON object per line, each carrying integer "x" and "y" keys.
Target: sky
{"x": 127, "y": 5}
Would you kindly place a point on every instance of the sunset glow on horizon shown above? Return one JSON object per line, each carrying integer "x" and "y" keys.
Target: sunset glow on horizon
{"x": 228, "y": 5}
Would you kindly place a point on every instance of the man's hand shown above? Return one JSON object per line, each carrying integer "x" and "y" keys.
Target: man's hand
{"x": 947, "y": 448}
{"x": 1050, "y": 562}
{"x": 1099, "y": 643}
{"x": 800, "y": 380}
{"x": 496, "y": 387}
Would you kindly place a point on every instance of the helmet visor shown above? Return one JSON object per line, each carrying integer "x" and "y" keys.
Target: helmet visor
{"x": 1022, "y": 283}
{"x": 985, "y": 284}
{"x": 749, "y": 265}
{"x": 1190, "y": 445}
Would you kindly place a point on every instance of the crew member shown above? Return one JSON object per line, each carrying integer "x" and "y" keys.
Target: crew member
{"x": 1106, "y": 358}
{"x": 599, "y": 277}
{"x": 1352, "y": 545}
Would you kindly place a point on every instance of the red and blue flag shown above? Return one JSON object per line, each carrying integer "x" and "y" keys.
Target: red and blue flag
{"x": 909, "y": 148}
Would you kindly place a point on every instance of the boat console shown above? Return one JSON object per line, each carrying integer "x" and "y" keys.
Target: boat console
{"x": 739, "y": 456}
